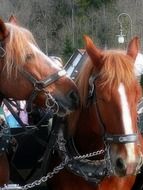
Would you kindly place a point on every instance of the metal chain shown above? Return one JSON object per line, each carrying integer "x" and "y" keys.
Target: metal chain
{"x": 49, "y": 175}
{"x": 89, "y": 155}
{"x": 58, "y": 168}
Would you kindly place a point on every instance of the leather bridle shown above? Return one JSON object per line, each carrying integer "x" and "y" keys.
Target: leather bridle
{"x": 39, "y": 85}
{"x": 96, "y": 169}
{"x": 109, "y": 138}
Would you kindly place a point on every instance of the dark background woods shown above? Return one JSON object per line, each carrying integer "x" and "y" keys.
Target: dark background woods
{"x": 58, "y": 25}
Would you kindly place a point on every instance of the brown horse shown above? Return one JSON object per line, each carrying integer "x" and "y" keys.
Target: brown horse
{"x": 104, "y": 129}
{"x": 26, "y": 73}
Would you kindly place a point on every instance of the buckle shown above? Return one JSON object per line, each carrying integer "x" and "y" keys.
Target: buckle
{"x": 11, "y": 187}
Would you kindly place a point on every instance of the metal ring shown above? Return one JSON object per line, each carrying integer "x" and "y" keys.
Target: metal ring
{"x": 54, "y": 106}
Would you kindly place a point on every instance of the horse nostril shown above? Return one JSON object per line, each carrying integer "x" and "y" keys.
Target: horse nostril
{"x": 120, "y": 164}
{"x": 74, "y": 98}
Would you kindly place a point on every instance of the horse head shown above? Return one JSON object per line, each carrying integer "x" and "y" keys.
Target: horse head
{"x": 107, "y": 117}
{"x": 28, "y": 74}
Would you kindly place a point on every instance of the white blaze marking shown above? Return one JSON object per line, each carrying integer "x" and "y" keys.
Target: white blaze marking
{"x": 127, "y": 122}
{"x": 126, "y": 116}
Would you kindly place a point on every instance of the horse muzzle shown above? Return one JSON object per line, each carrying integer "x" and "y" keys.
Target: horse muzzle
{"x": 122, "y": 167}
{"x": 63, "y": 105}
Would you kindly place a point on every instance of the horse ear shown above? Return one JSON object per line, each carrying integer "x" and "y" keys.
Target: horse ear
{"x": 133, "y": 47}
{"x": 3, "y": 30}
{"x": 93, "y": 52}
{"x": 13, "y": 20}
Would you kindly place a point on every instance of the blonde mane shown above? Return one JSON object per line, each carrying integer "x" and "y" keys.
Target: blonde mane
{"x": 116, "y": 67}
{"x": 17, "y": 48}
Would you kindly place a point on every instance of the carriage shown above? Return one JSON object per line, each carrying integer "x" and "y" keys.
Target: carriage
{"x": 88, "y": 136}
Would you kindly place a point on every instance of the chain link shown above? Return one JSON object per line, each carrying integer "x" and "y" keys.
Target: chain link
{"x": 58, "y": 168}
{"x": 89, "y": 155}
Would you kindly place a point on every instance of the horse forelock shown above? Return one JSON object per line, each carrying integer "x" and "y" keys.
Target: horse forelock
{"x": 17, "y": 47}
{"x": 116, "y": 67}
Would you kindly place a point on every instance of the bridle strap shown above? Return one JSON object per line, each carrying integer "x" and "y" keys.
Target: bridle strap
{"x": 91, "y": 94}
{"x": 109, "y": 138}
{"x": 39, "y": 85}
{"x": 122, "y": 139}
{"x": 92, "y": 98}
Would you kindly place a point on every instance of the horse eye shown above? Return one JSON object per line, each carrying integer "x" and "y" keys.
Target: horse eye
{"x": 29, "y": 56}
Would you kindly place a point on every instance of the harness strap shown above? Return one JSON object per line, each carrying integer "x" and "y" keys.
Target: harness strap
{"x": 39, "y": 85}
{"x": 92, "y": 171}
{"x": 122, "y": 139}
{"x": 30, "y": 101}
{"x": 110, "y": 138}
{"x": 91, "y": 94}
{"x": 52, "y": 141}
{"x": 45, "y": 82}
{"x": 4, "y": 132}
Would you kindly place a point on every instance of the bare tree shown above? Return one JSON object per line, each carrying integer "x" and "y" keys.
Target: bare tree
{"x": 53, "y": 21}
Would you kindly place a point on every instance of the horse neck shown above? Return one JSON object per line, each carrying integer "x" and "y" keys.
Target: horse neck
{"x": 88, "y": 133}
